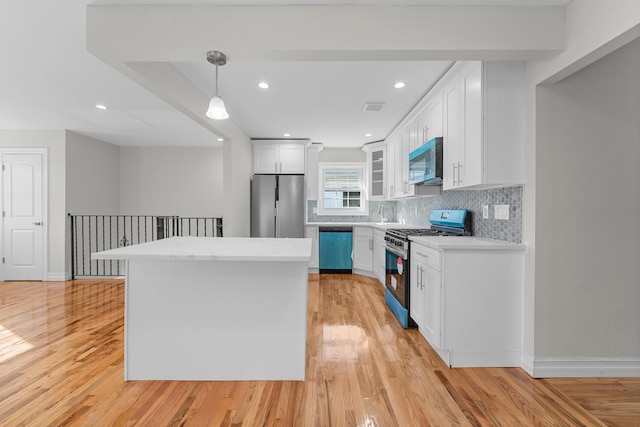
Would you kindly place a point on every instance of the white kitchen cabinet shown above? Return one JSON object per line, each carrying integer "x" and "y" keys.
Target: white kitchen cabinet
{"x": 363, "y": 250}
{"x": 376, "y": 170}
{"x": 397, "y": 174}
{"x": 401, "y": 173}
{"x": 418, "y": 299}
{"x": 433, "y": 118}
{"x": 484, "y": 125}
{"x": 422, "y": 124}
{"x": 379, "y": 256}
{"x": 471, "y": 310}
{"x": 426, "y": 282}
{"x": 452, "y": 143}
{"x": 278, "y": 157}
{"x": 312, "y": 232}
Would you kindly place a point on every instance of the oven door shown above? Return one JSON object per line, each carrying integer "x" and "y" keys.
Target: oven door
{"x": 397, "y": 283}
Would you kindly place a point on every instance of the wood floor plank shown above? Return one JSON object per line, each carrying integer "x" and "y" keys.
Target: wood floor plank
{"x": 61, "y": 363}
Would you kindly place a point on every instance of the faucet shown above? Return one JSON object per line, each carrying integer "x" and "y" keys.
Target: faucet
{"x": 381, "y": 211}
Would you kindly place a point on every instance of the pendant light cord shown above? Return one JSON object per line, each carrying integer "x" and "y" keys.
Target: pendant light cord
{"x": 216, "y": 80}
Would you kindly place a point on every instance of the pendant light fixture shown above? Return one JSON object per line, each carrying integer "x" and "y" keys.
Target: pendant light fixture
{"x": 216, "y": 109}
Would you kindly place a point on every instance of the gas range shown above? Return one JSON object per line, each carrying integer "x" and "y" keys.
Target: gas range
{"x": 399, "y": 237}
{"x": 451, "y": 222}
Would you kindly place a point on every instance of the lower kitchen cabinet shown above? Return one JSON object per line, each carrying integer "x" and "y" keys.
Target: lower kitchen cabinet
{"x": 311, "y": 232}
{"x": 379, "y": 256}
{"x": 363, "y": 249}
{"x": 468, "y": 304}
{"x": 426, "y": 281}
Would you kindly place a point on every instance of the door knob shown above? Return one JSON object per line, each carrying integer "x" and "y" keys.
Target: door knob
{"x": 37, "y": 223}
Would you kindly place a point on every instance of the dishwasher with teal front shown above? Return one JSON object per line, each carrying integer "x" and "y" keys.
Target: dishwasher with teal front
{"x": 335, "y": 248}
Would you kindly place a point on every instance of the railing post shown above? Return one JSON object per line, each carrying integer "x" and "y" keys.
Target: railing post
{"x": 73, "y": 248}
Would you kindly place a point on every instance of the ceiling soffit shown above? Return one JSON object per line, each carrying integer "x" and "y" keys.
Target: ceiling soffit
{"x": 141, "y": 41}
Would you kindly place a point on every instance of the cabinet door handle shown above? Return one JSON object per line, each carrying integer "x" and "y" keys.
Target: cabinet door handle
{"x": 421, "y": 254}
{"x": 276, "y": 170}
{"x": 459, "y": 167}
{"x": 453, "y": 174}
{"x": 280, "y": 166}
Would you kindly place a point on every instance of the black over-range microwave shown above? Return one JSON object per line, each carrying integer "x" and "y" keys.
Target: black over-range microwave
{"x": 425, "y": 163}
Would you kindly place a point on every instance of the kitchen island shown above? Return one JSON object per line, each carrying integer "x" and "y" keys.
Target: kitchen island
{"x": 199, "y": 308}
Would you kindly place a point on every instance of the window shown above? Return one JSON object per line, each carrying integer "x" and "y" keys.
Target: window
{"x": 342, "y": 189}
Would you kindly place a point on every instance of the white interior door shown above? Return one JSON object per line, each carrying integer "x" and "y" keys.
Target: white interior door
{"x": 23, "y": 216}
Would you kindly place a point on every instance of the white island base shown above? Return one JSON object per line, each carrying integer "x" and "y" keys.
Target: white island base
{"x": 226, "y": 309}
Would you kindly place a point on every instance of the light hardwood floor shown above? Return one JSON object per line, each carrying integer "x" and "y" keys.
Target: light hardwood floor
{"x": 61, "y": 363}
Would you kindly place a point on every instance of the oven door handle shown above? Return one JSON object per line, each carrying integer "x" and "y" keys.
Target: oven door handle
{"x": 397, "y": 252}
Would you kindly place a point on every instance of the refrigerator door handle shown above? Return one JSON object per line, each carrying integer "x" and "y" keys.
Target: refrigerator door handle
{"x": 275, "y": 220}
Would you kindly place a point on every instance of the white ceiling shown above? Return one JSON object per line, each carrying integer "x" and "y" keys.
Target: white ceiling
{"x": 49, "y": 81}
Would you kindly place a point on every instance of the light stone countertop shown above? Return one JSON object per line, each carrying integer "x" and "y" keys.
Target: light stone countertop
{"x": 465, "y": 242}
{"x": 377, "y": 225}
{"x": 214, "y": 249}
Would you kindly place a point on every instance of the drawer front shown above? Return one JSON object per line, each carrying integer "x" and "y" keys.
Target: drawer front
{"x": 362, "y": 231}
{"x": 428, "y": 256}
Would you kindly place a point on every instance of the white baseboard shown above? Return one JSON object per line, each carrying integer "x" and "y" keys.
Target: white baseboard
{"x": 526, "y": 363}
{"x": 588, "y": 367}
{"x": 486, "y": 359}
{"x": 58, "y": 277}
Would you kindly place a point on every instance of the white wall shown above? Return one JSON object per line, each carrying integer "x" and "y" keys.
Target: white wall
{"x": 183, "y": 181}
{"x": 92, "y": 176}
{"x": 593, "y": 29}
{"x": 54, "y": 141}
{"x": 335, "y": 155}
{"x": 237, "y": 185}
{"x": 588, "y": 211}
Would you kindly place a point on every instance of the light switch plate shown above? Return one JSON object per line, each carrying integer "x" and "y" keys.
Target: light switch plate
{"x": 485, "y": 211}
{"x": 501, "y": 211}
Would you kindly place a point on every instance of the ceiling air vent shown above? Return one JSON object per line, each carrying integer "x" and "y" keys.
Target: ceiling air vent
{"x": 373, "y": 106}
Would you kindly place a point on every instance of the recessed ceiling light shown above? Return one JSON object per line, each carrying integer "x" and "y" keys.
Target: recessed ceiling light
{"x": 399, "y": 85}
{"x": 367, "y": 134}
{"x": 101, "y": 107}
{"x": 220, "y": 139}
{"x": 263, "y": 85}
{"x": 286, "y": 134}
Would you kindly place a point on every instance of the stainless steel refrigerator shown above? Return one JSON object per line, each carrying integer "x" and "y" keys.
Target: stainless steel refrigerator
{"x": 277, "y": 206}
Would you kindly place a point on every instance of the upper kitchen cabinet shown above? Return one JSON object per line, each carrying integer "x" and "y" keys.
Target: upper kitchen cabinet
{"x": 376, "y": 170}
{"x": 484, "y": 125}
{"x": 431, "y": 119}
{"x": 423, "y": 123}
{"x": 279, "y": 157}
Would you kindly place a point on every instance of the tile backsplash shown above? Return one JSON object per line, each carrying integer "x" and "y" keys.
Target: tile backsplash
{"x": 378, "y": 211}
{"x": 415, "y": 211}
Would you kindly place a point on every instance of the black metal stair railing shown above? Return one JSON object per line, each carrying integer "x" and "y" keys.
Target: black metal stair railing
{"x": 95, "y": 233}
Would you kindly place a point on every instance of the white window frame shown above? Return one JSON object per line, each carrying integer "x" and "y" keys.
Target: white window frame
{"x": 364, "y": 203}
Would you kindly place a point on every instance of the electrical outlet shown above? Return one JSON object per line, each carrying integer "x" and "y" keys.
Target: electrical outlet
{"x": 501, "y": 211}
{"x": 485, "y": 211}
{"x": 416, "y": 211}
